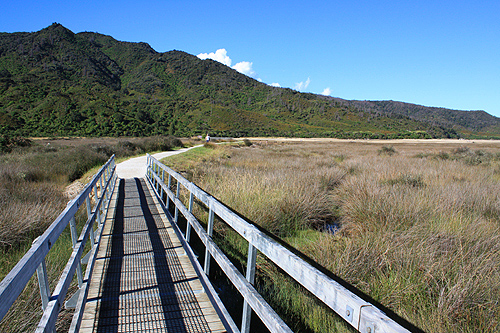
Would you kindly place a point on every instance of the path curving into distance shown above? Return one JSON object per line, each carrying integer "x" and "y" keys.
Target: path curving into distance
{"x": 136, "y": 167}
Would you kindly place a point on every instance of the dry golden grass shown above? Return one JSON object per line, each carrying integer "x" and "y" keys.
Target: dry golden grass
{"x": 420, "y": 227}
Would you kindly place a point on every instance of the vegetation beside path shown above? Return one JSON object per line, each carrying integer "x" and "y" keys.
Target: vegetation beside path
{"x": 414, "y": 226}
{"x": 33, "y": 178}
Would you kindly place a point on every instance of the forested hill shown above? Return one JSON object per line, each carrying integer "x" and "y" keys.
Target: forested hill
{"x": 57, "y": 83}
{"x": 477, "y": 121}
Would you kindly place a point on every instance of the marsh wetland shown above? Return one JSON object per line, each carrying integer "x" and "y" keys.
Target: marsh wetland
{"x": 417, "y": 222}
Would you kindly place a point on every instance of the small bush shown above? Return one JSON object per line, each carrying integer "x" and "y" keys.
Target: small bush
{"x": 461, "y": 150}
{"x": 387, "y": 150}
{"x": 247, "y": 142}
{"x": 7, "y": 144}
{"x": 407, "y": 179}
{"x": 209, "y": 145}
{"x": 158, "y": 143}
{"x": 443, "y": 155}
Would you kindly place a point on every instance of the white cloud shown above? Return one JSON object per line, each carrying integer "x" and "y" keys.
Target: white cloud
{"x": 302, "y": 85}
{"x": 327, "y": 91}
{"x": 275, "y": 84}
{"x": 220, "y": 55}
{"x": 245, "y": 67}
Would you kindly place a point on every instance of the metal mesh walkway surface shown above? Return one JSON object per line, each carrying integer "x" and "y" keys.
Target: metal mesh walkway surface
{"x": 143, "y": 281}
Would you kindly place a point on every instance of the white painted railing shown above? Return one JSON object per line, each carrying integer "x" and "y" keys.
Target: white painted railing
{"x": 101, "y": 188}
{"x": 362, "y": 315}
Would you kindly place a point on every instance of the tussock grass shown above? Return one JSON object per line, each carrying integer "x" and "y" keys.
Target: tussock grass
{"x": 387, "y": 150}
{"x": 278, "y": 195}
{"x": 419, "y": 232}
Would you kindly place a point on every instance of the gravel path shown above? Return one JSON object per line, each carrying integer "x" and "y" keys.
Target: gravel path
{"x": 136, "y": 167}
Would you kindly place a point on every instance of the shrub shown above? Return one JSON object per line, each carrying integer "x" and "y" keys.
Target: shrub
{"x": 7, "y": 144}
{"x": 461, "y": 150}
{"x": 407, "y": 179}
{"x": 158, "y": 143}
{"x": 443, "y": 155}
{"x": 209, "y": 145}
{"x": 387, "y": 150}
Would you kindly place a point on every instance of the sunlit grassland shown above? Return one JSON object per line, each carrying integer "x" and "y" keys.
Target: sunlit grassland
{"x": 419, "y": 223}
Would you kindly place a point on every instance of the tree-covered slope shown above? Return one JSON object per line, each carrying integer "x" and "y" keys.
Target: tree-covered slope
{"x": 55, "y": 82}
{"x": 464, "y": 121}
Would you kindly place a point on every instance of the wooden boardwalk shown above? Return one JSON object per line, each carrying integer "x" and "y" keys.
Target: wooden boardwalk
{"x": 143, "y": 281}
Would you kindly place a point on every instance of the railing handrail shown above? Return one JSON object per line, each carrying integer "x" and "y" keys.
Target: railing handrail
{"x": 361, "y": 314}
{"x": 15, "y": 281}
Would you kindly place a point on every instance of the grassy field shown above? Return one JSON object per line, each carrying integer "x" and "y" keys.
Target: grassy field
{"x": 34, "y": 177}
{"x": 417, "y": 223}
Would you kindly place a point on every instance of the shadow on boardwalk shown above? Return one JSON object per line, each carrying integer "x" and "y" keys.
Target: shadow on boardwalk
{"x": 144, "y": 288}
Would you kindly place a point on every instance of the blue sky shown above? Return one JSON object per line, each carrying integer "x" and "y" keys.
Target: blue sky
{"x": 434, "y": 53}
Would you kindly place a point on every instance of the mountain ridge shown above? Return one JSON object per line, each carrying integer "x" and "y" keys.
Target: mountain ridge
{"x": 472, "y": 119}
{"x": 55, "y": 82}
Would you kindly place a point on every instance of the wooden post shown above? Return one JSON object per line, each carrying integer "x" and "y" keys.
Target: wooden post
{"x": 176, "y": 215}
{"x": 148, "y": 162}
{"x": 161, "y": 187}
{"x": 98, "y": 210}
{"x": 89, "y": 214}
{"x": 74, "y": 238}
{"x": 210, "y": 229}
{"x": 188, "y": 226}
{"x": 169, "y": 184}
{"x": 43, "y": 281}
{"x": 155, "y": 171}
{"x": 107, "y": 178}
{"x": 158, "y": 185}
{"x": 247, "y": 310}
{"x": 102, "y": 188}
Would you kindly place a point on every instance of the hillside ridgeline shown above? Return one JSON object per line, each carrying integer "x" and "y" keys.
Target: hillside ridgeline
{"x": 57, "y": 83}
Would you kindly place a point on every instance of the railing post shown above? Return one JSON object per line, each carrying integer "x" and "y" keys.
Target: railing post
{"x": 169, "y": 184}
{"x": 176, "y": 215}
{"x": 107, "y": 178}
{"x": 153, "y": 169}
{"x": 158, "y": 185}
{"x": 148, "y": 161}
{"x": 89, "y": 214}
{"x": 210, "y": 229}
{"x": 148, "y": 173}
{"x": 100, "y": 184}
{"x": 103, "y": 203}
{"x": 163, "y": 181}
{"x": 104, "y": 192}
{"x": 98, "y": 210}
{"x": 188, "y": 226}
{"x": 247, "y": 310}
{"x": 74, "y": 238}
{"x": 43, "y": 282}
